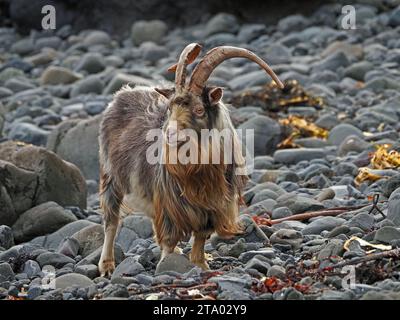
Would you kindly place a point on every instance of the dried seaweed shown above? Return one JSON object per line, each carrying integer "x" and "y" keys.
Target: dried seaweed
{"x": 272, "y": 98}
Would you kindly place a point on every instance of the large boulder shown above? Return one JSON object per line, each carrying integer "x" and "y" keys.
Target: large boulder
{"x": 31, "y": 175}
{"x": 77, "y": 142}
{"x": 17, "y": 191}
{"x": 40, "y": 220}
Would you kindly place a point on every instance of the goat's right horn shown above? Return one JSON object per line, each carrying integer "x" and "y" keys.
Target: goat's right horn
{"x": 216, "y": 56}
{"x": 188, "y": 55}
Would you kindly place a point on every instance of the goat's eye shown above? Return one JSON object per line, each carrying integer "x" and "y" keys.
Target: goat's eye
{"x": 199, "y": 110}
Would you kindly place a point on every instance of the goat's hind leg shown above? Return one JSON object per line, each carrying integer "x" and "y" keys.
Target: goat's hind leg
{"x": 110, "y": 200}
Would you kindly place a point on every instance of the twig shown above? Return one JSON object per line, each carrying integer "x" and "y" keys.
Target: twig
{"x": 326, "y": 212}
{"x": 309, "y": 215}
{"x": 369, "y": 257}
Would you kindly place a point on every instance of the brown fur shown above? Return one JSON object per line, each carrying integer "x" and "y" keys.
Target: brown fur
{"x": 183, "y": 199}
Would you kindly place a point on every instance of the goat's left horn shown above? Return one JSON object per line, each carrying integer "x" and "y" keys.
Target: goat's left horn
{"x": 188, "y": 55}
{"x": 216, "y": 56}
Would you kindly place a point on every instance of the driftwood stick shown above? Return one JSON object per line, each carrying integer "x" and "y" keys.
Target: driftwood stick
{"x": 369, "y": 257}
{"x": 326, "y": 212}
{"x": 309, "y": 215}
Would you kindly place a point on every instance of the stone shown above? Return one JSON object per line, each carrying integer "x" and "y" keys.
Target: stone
{"x": 342, "y": 131}
{"x": 56, "y": 260}
{"x": 321, "y": 224}
{"x": 393, "y": 212}
{"x": 122, "y": 79}
{"x": 140, "y": 224}
{"x": 58, "y": 180}
{"x": 259, "y": 265}
{"x": 298, "y": 204}
{"x": 222, "y": 23}
{"x": 54, "y": 240}
{"x": 292, "y": 156}
{"x": 248, "y": 255}
{"x": 6, "y": 272}
{"x": 91, "y": 63}
{"x": 276, "y": 54}
{"x": 267, "y": 134}
{"x": 332, "y": 62}
{"x": 153, "y": 52}
{"x": 6, "y": 237}
{"x": 54, "y": 75}
{"x": 281, "y": 212}
{"x": 85, "y": 154}
{"x": 72, "y": 279}
{"x": 394, "y": 18}
{"x": 17, "y": 192}
{"x": 358, "y": 70}
{"x": 327, "y": 121}
{"x": 277, "y": 271}
{"x": 91, "y": 84}
{"x": 363, "y": 220}
{"x": 69, "y": 247}
{"x": 128, "y": 267}
{"x": 31, "y": 268}
{"x": 153, "y": 30}
{"x": 89, "y": 239}
{"x": 391, "y": 185}
{"x": 90, "y": 270}
{"x": 97, "y": 37}
{"x": 174, "y": 262}
{"x": 296, "y": 22}
{"x": 40, "y": 220}
{"x": 352, "y": 143}
{"x": 387, "y": 234}
{"x": 288, "y": 237}
{"x": 326, "y": 194}
{"x": 29, "y": 133}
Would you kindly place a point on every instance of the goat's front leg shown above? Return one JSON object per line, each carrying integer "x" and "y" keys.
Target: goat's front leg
{"x": 197, "y": 254}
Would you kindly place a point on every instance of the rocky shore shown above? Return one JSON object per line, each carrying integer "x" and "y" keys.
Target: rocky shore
{"x": 344, "y": 83}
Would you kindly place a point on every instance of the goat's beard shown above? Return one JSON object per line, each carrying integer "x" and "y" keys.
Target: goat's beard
{"x": 198, "y": 181}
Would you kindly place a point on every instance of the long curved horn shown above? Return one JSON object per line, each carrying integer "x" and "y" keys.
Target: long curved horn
{"x": 216, "y": 56}
{"x": 188, "y": 55}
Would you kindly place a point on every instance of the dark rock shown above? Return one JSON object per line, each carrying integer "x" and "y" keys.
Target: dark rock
{"x": 267, "y": 134}
{"x": 56, "y": 260}
{"x": 342, "y": 131}
{"x": 153, "y": 30}
{"x": 58, "y": 180}
{"x": 393, "y": 212}
{"x": 292, "y": 156}
{"x": 6, "y": 237}
{"x": 174, "y": 262}
{"x": 128, "y": 267}
{"x": 40, "y": 220}
{"x": 321, "y": 224}
{"x": 387, "y": 234}
{"x": 221, "y": 23}
{"x": 28, "y": 133}
{"x": 6, "y": 272}
{"x": 72, "y": 279}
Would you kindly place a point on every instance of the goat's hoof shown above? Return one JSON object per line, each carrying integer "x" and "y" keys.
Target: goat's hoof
{"x": 203, "y": 265}
{"x": 106, "y": 268}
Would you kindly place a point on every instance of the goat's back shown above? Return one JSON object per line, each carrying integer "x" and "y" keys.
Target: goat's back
{"x": 126, "y": 121}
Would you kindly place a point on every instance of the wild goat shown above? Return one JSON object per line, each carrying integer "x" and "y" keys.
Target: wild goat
{"x": 182, "y": 199}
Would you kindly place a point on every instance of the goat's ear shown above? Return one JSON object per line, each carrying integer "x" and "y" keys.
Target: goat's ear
{"x": 215, "y": 95}
{"x": 165, "y": 92}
